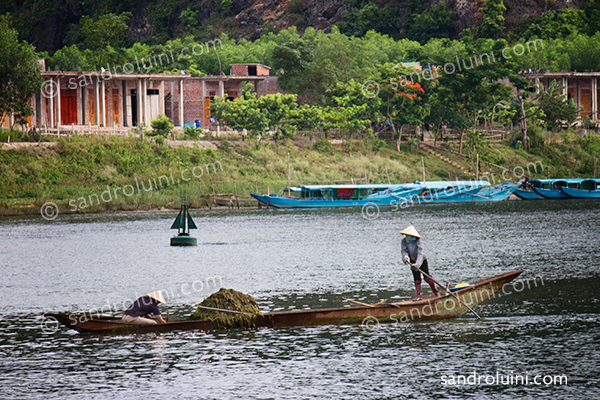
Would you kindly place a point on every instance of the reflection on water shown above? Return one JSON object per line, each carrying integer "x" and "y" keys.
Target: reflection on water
{"x": 303, "y": 259}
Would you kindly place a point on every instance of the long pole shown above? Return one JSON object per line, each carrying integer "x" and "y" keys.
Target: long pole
{"x": 423, "y": 167}
{"x": 289, "y": 178}
{"x": 451, "y": 293}
{"x": 222, "y": 310}
{"x": 477, "y": 168}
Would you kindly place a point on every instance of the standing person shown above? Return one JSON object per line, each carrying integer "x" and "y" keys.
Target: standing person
{"x": 139, "y": 312}
{"x": 412, "y": 254}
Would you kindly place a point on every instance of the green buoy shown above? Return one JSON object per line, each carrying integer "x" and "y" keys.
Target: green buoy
{"x": 183, "y": 223}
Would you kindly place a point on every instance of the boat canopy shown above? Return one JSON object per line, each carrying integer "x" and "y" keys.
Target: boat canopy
{"x": 590, "y": 184}
{"x": 556, "y": 183}
{"x": 380, "y": 186}
{"x": 447, "y": 184}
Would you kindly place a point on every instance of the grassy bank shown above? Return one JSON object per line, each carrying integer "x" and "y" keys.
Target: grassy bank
{"x": 95, "y": 174}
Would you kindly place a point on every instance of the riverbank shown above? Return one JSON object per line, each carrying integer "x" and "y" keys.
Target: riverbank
{"x": 83, "y": 174}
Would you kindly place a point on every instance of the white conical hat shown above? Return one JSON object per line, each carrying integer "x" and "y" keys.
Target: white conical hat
{"x": 410, "y": 231}
{"x": 158, "y": 296}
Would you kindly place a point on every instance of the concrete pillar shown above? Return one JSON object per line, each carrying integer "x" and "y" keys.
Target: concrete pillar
{"x": 80, "y": 105}
{"x": 594, "y": 115}
{"x": 139, "y": 101}
{"x": 565, "y": 85}
{"x": 97, "y": 102}
{"x": 103, "y": 103}
{"x": 181, "y": 103}
{"x": 51, "y": 104}
{"x": 221, "y": 89}
{"x": 161, "y": 102}
{"x": 144, "y": 95}
{"x": 58, "y": 121}
{"x": 172, "y": 100}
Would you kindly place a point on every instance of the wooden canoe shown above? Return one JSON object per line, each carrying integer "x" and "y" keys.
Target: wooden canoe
{"x": 429, "y": 308}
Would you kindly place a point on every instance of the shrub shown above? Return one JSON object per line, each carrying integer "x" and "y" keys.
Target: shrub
{"x": 162, "y": 126}
{"x": 192, "y": 132}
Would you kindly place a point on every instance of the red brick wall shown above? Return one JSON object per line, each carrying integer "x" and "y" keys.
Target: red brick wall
{"x": 261, "y": 70}
{"x": 239, "y": 70}
{"x": 242, "y": 70}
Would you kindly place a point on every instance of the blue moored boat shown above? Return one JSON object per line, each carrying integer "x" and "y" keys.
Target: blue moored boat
{"x": 525, "y": 192}
{"x": 476, "y": 193}
{"x": 551, "y": 188}
{"x": 320, "y": 196}
{"x": 589, "y": 188}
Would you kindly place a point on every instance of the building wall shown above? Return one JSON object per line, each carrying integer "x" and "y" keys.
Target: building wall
{"x": 244, "y": 70}
{"x": 268, "y": 86}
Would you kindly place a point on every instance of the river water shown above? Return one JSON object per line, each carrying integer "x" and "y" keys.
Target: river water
{"x": 546, "y": 329}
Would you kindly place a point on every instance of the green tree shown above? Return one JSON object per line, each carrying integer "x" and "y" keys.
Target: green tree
{"x": 69, "y": 58}
{"x": 492, "y": 22}
{"x": 102, "y": 38}
{"x": 19, "y": 74}
{"x": 468, "y": 81}
{"x": 278, "y": 110}
{"x": 300, "y": 70}
{"x": 162, "y": 126}
{"x": 370, "y": 17}
{"x": 344, "y": 118}
{"x": 557, "y": 108}
{"x": 241, "y": 113}
{"x": 554, "y": 24}
{"x": 435, "y": 22}
{"x": 592, "y": 17}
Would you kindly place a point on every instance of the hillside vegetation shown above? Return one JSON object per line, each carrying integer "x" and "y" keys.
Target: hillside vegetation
{"x": 90, "y": 174}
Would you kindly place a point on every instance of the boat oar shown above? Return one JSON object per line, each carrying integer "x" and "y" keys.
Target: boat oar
{"x": 365, "y": 304}
{"x": 451, "y": 293}
{"x": 358, "y": 302}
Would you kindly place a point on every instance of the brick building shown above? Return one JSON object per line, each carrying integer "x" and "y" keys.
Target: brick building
{"x": 199, "y": 91}
{"x": 100, "y": 99}
{"x": 582, "y": 87}
{"x": 79, "y": 100}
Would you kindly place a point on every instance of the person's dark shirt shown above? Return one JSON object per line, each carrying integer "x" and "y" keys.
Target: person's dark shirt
{"x": 143, "y": 306}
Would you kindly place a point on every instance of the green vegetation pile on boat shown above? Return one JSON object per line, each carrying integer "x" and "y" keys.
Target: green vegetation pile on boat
{"x": 564, "y": 189}
{"x": 317, "y": 196}
{"x": 429, "y": 308}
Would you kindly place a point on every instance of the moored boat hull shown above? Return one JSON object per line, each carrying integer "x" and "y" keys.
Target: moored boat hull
{"x": 527, "y": 195}
{"x": 390, "y": 199}
{"x": 498, "y": 192}
{"x": 551, "y": 194}
{"x": 581, "y": 194}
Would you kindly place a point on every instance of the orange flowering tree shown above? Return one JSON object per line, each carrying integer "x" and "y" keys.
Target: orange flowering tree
{"x": 402, "y": 97}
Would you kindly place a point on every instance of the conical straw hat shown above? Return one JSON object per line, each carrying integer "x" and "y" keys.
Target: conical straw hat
{"x": 158, "y": 296}
{"x": 410, "y": 231}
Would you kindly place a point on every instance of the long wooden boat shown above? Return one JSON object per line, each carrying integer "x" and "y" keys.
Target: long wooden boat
{"x": 550, "y": 188}
{"x": 525, "y": 191}
{"x": 429, "y": 308}
{"x": 327, "y": 196}
{"x": 498, "y": 192}
{"x": 589, "y": 189}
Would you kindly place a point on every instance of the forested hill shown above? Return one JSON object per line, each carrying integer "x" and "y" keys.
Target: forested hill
{"x": 52, "y": 24}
